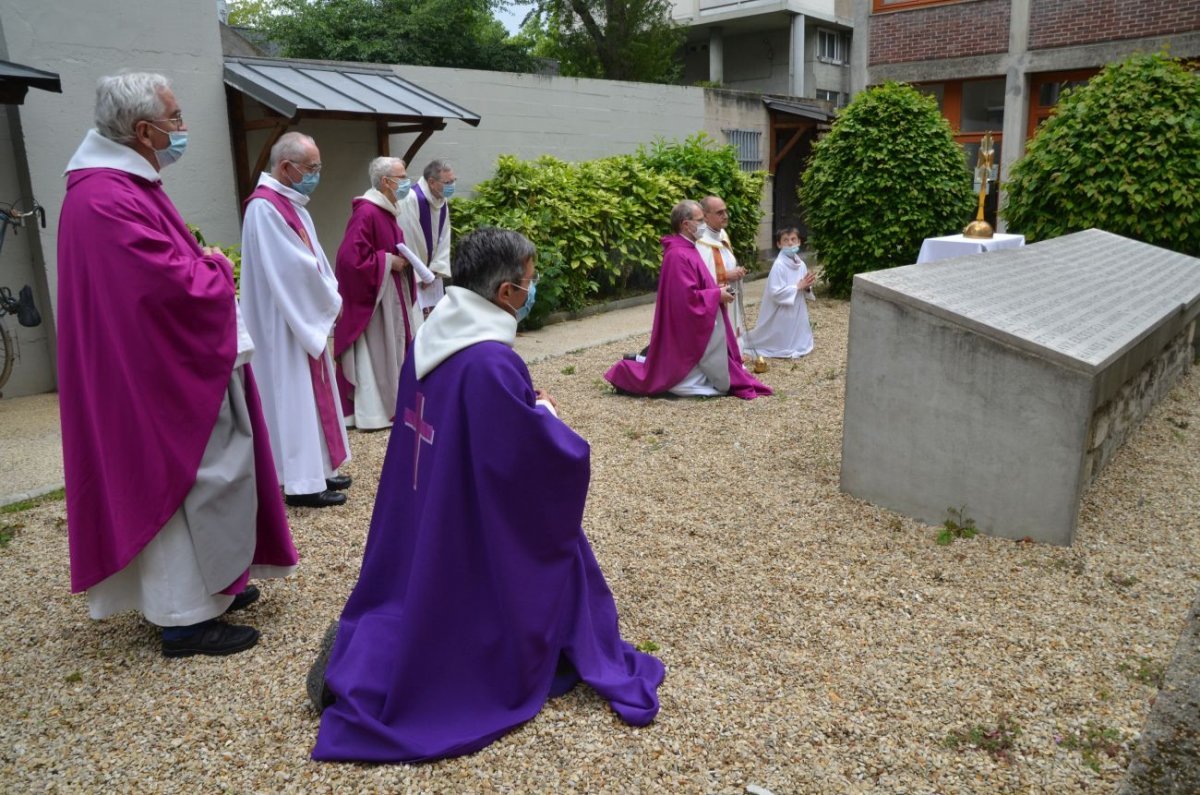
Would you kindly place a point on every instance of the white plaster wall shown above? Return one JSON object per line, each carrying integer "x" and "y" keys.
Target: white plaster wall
{"x": 81, "y": 40}
{"x": 533, "y": 115}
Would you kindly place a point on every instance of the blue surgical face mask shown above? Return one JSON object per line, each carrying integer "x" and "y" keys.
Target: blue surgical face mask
{"x": 447, "y": 190}
{"x": 308, "y": 183}
{"x": 791, "y": 251}
{"x": 527, "y": 307}
{"x": 174, "y": 150}
{"x": 403, "y": 186}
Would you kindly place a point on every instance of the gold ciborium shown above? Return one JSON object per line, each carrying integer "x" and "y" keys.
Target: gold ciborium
{"x": 980, "y": 228}
{"x": 760, "y": 364}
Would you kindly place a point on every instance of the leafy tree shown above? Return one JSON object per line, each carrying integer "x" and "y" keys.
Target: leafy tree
{"x": 1121, "y": 153}
{"x": 613, "y": 39}
{"x": 887, "y": 176}
{"x": 457, "y": 33}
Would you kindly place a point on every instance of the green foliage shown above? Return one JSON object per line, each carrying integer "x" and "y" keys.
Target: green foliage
{"x": 998, "y": 741}
{"x": 25, "y": 505}
{"x": 887, "y": 176}
{"x": 957, "y": 525}
{"x": 457, "y": 33}
{"x": 613, "y": 39}
{"x": 597, "y": 225}
{"x": 647, "y": 646}
{"x": 716, "y": 172}
{"x": 1145, "y": 670}
{"x": 1121, "y": 153}
{"x": 232, "y": 253}
{"x": 1092, "y": 741}
{"x": 8, "y": 531}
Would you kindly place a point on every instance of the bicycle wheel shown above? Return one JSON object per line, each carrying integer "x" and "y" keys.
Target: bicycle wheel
{"x": 7, "y": 354}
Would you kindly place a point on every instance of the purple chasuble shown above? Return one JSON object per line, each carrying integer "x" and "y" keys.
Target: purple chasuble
{"x": 327, "y": 410}
{"x": 477, "y": 579}
{"x": 687, "y": 306}
{"x": 371, "y": 234}
{"x": 426, "y": 218}
{"x": 147, "y": 339}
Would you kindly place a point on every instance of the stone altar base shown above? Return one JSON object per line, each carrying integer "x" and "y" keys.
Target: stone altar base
{"x": 1002, "y": 383}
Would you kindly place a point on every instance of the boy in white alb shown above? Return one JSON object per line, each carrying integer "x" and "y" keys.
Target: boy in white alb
{"x": 783, "y": 331}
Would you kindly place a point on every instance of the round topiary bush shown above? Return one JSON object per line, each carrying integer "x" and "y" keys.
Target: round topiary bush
{"x": 1121, "y": 153}
{"x": 887, "y": 176}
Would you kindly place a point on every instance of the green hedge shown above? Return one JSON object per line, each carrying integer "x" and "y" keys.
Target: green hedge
{"x": 887, "y": 176}
{"x": 1121, "y": 153}
{"x": 597, "y": 224}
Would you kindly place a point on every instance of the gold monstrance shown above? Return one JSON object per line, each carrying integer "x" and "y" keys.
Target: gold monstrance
{"x": 980, "y": 228}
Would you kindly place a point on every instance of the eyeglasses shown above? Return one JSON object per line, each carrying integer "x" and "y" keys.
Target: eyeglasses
{"x": 311, "y": 168}
{"x": 176, "y": 120}
{"x": 532, "y": 282}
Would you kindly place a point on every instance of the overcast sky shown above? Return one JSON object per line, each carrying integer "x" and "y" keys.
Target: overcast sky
{"x": 513, "y": 16}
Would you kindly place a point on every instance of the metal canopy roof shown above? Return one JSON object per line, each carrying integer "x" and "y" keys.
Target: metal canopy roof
{"x": 295, "y": 88}
{"x": 796, "y": 109}
{"x": 16, "y": 79}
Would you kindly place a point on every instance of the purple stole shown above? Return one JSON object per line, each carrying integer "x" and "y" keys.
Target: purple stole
{"x": 331, "y": 423}
{"x": 427, "y": 221}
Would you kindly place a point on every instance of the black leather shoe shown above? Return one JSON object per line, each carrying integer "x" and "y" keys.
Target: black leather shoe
{"x": 244, "y": 599}
{"x": 338, "y": 483}
{"x": 216, "y": 639}
{"x": 320, "y": 499}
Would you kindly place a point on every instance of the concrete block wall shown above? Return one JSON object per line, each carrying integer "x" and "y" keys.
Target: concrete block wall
{"x": 1112, "y": 423}
{"x": 957, "y": 30}
{"x": 570, "y": 118}
{"x": 82, "y": 40}
{"x": 1062, "y": 23}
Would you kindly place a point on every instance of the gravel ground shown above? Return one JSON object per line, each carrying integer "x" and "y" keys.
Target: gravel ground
{"x": 814, "y": 643}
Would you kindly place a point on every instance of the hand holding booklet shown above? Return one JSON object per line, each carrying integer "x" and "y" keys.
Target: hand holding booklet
{"x": 424, "y": 275}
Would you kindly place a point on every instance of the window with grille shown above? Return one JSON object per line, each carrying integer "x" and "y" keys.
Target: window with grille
{"x": 746, "y": 142}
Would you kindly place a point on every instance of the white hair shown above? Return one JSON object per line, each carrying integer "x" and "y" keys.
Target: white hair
{"x": 435, "y": 168}
{"x": 382, "y": 167}
{"x": 125, "y": 99}
{"x": 290, "y": 146}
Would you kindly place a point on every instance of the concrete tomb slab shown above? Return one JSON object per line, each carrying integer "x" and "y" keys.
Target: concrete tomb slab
{"x": 1001, "y": 383}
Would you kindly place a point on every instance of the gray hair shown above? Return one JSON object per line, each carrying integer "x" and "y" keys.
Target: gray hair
{"x": 382, "y": 167}
{"x": 683, "y": 212}
{"x": 290, "y": 146}
{"x": 489, "y": 257}
{"x": 125, "y": 99}
{"x": 706, "y": 202}
{"x": 435, "y": 169}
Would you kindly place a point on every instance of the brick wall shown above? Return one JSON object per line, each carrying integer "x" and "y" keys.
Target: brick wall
{"x": 1059, "y": 23}
{"x": 945, "y": 31}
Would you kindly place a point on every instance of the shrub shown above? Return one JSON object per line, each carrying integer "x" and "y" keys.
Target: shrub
{"x": 887, "y": 176}
{"x": 597, "y": 224}
{"x": 1121, "y": 153}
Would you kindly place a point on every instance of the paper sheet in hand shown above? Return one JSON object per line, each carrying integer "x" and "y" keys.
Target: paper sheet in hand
{"x": 424, "y": 275}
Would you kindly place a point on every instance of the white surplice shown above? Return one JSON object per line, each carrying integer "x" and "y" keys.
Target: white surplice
{"x": 372, "y": 363}
{"x": 437, "y": 260}
{"x": 290, "y": 300}
{"x": 708, "y": 246}
{"x": 783, "y": 330}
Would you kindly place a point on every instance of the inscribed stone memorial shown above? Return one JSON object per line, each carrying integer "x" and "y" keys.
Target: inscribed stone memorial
{"x": 1001, "y": 383}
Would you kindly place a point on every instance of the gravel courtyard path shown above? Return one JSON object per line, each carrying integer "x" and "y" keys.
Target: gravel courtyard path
{"x": 814, "y": 643}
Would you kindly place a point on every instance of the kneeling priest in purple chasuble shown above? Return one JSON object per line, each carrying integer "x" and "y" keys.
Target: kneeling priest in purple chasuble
{"x": 693, "y": 350}
{"x": 479, "y": 597}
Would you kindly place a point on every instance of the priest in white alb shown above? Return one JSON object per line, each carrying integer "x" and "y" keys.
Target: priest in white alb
{"x": 425, "y": 219}
{"x": 290, "y": 300}
{"x": 717, "y": 253}
{"x": 379, "y": 286}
